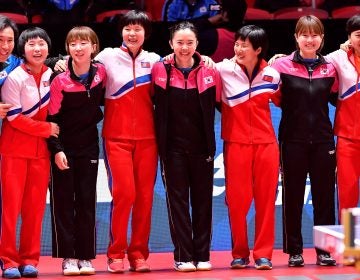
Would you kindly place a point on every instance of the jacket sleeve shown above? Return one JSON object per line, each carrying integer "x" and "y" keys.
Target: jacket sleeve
{"x": 218, "y": 90}
{"x": 54, "y": 143}
{"x": 11, "y": 93}
{"x": 276, "y": 98}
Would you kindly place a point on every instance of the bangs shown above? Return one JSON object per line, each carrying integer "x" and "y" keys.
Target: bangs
{"x": 309, "y": 24}
{"x": 78, "y": 33}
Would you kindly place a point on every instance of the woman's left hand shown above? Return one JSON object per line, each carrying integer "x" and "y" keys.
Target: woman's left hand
{"x": 208, "y": 62}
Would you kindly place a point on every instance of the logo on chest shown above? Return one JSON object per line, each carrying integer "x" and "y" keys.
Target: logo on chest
{"x": 145, "y": 64}
{"x": 324, "y": 70}
{"x": 3, "y": 74}
{"x": 208, "y": 80}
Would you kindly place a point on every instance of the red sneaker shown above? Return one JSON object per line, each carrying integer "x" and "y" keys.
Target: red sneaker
{"x": 116, "y": 265}
{"x": 139, "y": 265}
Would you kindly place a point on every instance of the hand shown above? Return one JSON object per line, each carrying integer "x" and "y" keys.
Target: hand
{"x": 4, "y": 108}
{"x": 60, "y": 65}
{"x": 208, "y": 62}
{"x": 275, "y": 57}
{"x": 54, "y": 130}
{"x": 169, "y": 57}
{"x": 61, "y": 161}
{"x": 346, "y": 46}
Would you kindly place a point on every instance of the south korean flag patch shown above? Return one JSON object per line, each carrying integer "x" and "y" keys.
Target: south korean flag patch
{"x": 208, "y": 80}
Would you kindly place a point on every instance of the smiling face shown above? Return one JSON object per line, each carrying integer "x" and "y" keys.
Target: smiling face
{"x": 35, "y": 51}
{"x": 7, "y": 43}
{"x": 309, "y": 43}
{"x": 81, "y": 50}
{"x": 184, "y": 43}
{"x": 133, "y": 36}
{"x": 245, "y": 53}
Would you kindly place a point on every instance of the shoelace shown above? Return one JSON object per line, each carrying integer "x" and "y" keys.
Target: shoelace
{"x": 85, "y": 263}
{"x": 70, "y": 262}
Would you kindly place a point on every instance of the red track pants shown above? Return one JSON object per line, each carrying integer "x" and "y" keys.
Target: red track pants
{"x": 348, "y": 172}
{"x": 251, "y": 173}
{"x": 131, "y": 167}
{"x": 24, "y": 184}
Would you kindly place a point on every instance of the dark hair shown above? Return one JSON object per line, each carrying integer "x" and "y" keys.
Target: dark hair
{"x": 6, "y": 22}
{"x": 136, "y": 17}
{"x": 32, "y": 33}
{"x": 257, "y": 37}
{"x": 353, "y": 24}
{"x": 181, "y": 26}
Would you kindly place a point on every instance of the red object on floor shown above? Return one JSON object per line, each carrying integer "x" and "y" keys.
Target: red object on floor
{"x": 162, "y": 268}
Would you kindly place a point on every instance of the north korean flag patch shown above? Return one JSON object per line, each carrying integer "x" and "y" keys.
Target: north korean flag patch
{"x": 268, "y": 78}
{"x": 46, "y": 83}
{"x": 145, "y": 64}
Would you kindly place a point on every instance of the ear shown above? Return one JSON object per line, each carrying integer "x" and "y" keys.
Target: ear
{"x": 258, "y": 50}
{"x": 171, "y": 45}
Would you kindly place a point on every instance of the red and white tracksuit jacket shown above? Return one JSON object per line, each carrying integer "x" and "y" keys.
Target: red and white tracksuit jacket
{"x": 347, "y": 128}
{"x": 130, "y": 148}
{"x": 251, "y": 154}
{"x": 25, "y": 166}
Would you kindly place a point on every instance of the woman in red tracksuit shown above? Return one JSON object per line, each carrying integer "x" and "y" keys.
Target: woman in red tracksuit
{"x": 25, "y": 163}
{"x": 129, "y": 143}
{"x": 251, "y": 154}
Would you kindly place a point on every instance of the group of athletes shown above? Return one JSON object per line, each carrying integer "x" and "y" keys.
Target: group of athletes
{"x": 165, "y": 108}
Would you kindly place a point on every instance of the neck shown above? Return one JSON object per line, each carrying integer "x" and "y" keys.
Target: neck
{"x": 184, "y": 64}
{"x": 250, "y": 67}
{"x": 34, "y": 69}
{"x": 308, "y": 55}
{"x": 356, "y": 53}
{"x": 134, "y": 51}
{"x": 80, "y": 69}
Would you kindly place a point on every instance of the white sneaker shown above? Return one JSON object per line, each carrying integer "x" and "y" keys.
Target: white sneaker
{"x": 184, "y": 266}
{"x": 70, "y": 267}
{"x": 86, "y": 267}
{"x": 204, "y": 266}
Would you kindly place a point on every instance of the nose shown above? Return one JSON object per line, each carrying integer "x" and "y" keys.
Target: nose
{"x": 4, "y": 44}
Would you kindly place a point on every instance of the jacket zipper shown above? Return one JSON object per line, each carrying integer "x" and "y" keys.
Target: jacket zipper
{"x": 310, "y": 72}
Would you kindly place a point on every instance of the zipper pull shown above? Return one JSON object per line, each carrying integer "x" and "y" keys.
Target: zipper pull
{"x": 88, "y": 93}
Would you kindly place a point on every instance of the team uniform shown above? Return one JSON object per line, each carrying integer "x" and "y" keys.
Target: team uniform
{"x": 347, "y": 128}
{"x": 251, "y": 154}
{"x": 184, "y": 119}
{"x": 130, "y": 148}
{"x": 306, "y": 143}
{"x": 25, "y": 165}
{"x": 75, "y": 107}
{"x": 6, "y": 67}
